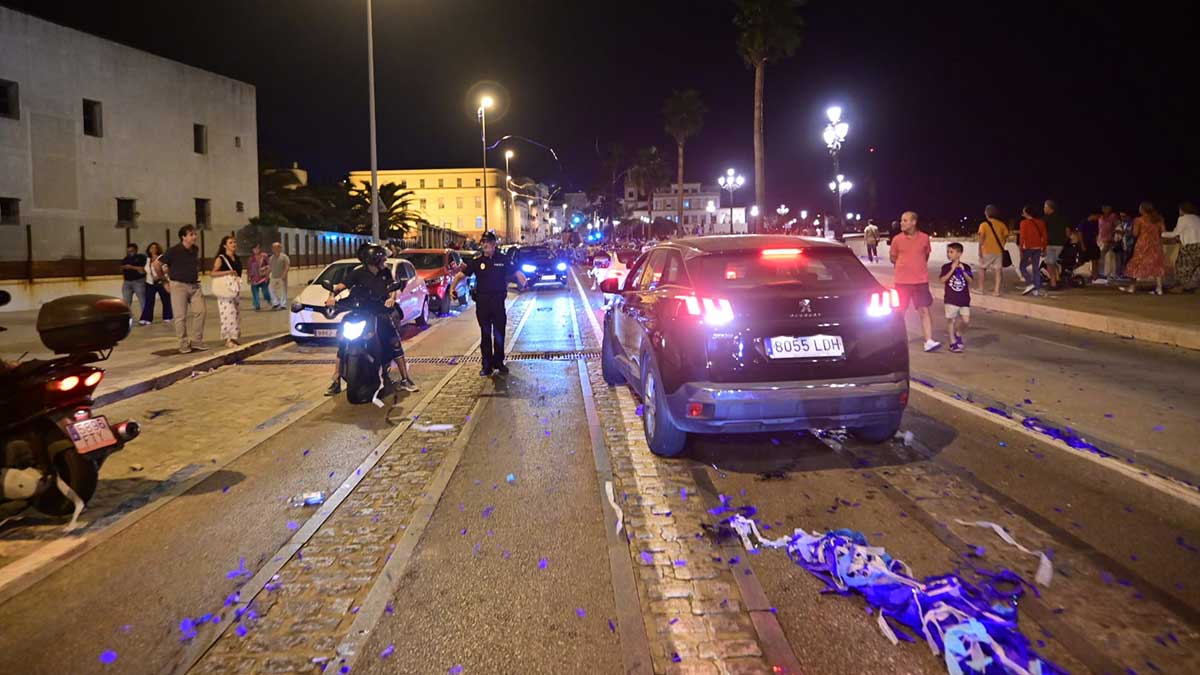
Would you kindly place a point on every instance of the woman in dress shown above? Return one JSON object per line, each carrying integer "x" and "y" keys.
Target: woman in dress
{"x": 1148, "y": 261}
{"x": 227, "y": 264}
{"x": 156, "y": 286}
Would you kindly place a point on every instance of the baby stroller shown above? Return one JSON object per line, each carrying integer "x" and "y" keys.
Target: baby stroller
{"x": 1076, "y": 268}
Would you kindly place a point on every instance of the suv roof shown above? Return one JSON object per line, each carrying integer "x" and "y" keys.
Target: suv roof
{"x": 739, "y": 242}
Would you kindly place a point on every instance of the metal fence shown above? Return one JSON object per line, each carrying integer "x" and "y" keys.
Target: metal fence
{"x": 91, "y": 253}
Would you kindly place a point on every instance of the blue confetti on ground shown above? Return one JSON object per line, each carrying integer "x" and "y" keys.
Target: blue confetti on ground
{"x": 580, "y": 612}
{"x": 387, "y": 651}
{"x": 510, "y": 478}
{"x": 108, "y": 656}
{"x": 293, "y": 525}
{"x": 647, "y": 558}
{"x": 612, "y": 627}
{"x": 455, "y": 670}
{"x": 543, "y": 563}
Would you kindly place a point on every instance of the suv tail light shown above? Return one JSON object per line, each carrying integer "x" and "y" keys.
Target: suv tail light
{"x": 883, "y": 302}
{"x": 715, "y": 311}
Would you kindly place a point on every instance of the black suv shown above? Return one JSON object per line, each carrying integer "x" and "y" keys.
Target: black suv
{"x": 748, "y": 333}
{"x": 542, "y": 266}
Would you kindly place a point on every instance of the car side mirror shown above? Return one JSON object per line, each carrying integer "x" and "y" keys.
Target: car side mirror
{"x": 309, "y": 282}
{"x": 610, "y": 285}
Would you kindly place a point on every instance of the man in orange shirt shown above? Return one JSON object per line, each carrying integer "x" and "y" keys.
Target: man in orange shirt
{"x": 910, "y": 252}
{"x": 1033, "y": 242}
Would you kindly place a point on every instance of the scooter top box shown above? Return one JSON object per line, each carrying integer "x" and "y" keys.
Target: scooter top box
{"x": 83, "y": 323}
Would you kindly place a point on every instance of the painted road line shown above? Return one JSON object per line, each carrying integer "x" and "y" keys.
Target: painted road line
{"x": 209, "y": 633}
{"x": 631, "y": 626}
{"x": 1056, "y": 344}
{"x": 596, "y": 332}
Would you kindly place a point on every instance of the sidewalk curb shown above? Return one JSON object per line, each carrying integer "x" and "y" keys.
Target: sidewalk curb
{"x": 170, "y": 376}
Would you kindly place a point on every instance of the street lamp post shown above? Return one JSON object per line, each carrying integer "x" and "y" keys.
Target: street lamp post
{"x": 835, "y": 135}
{"x": 374, "y": 159}
{"x": 839, "y": 186}
{"x": 731, "y": 181}
{"x": 484, "y": 103}
{"x": 754, "y": 215}
{"x": 508, "y": 155}
{"x": 783, "y": 211}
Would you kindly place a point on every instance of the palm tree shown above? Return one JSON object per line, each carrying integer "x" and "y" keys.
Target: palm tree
{"x": 768, "y": 30}
{"x": 684, "y": 112}
{"x": 648, "y": 174}
{"x": 397, "y": 212}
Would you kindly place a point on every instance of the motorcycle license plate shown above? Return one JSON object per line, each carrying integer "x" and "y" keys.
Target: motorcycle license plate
{"x": 91, "y": 434}
{"x": 549, "y": 277}
{"x": 804, "y": 347}
{"x": 325, "y": 332}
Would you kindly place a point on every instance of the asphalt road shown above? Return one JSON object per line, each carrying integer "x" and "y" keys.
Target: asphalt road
{"x": 512, "y": 574}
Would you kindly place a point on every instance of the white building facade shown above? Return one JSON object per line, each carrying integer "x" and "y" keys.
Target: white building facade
{"x": 703, "y": 212}
{"x": 116, "y": 141}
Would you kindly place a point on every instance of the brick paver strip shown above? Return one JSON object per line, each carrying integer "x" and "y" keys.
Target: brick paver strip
{"x": 307, "y": 609}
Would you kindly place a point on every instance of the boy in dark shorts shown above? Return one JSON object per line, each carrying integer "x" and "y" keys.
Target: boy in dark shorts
{"x": 956, "y": 275}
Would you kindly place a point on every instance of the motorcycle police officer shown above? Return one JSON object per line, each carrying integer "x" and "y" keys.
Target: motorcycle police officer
{"x": 492, "y": 271}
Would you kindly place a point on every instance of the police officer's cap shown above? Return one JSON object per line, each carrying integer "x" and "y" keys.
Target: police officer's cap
{"x": 488, "y": 236}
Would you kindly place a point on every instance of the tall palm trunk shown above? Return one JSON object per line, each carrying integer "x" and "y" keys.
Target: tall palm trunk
{"x": 679, "y": 197}
{"x": 760, "y": 172}
{"x": 646, "y": 227}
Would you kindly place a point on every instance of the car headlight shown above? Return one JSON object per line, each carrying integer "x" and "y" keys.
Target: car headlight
{"x": 529, "y": 269}
{"x": 296, "y": 307}
{"x": 561, "y": 267}
{"x": 352, "y": 330}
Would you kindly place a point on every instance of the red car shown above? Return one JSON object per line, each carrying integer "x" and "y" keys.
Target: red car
{"x": 437, "y": 266}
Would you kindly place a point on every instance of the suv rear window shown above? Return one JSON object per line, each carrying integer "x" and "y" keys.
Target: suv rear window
{"x": 818, "y": 269}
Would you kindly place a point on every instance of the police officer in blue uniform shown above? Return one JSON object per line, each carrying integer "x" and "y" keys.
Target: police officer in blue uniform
{"x": 492, "y": 272}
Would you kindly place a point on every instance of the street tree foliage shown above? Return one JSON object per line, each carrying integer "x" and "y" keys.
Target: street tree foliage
{"x": 604, "y": 195}
{"x": 283, "y": 195}
{"x": 648, "y": 174}
{"x": 397, "y": 209}
{"x": 684, "y": 114}
{"x": 768, "y": 30}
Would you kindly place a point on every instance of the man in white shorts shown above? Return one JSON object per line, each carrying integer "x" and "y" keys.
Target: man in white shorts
{"x": 993, "y": 234}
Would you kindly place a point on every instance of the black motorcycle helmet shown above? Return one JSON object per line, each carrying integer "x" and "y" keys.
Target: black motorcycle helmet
{"x": 372, "y": 254}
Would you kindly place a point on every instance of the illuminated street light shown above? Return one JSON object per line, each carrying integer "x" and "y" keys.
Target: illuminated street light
{"x": 803, "y": 215}
{"x": 782, "y": 210}
{"x": 731, "y": 181}
{"x": 508, "y": 155}
{"x": 834, "y": 136}
{"x": 485, "y": 103}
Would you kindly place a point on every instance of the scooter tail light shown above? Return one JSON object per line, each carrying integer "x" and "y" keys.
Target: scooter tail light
{"x": 94, "y": 379}
{"x": 66, "y": 384}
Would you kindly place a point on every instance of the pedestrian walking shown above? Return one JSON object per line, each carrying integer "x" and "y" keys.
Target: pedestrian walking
{"x": 133, "y": 269}
{"x": 909, "y": 252}
{"x": 1187, "y": 231}
{"x": 258, "y": 270}
{"x": 1105, "y": 240}
{"x": 492, "y": 271}
{"x": 1122, "y": 244}
{"x": 227, "y": 286}
{"x": 1057, "y": 236}
{"x": 956, "y": 276}
{"x": 992, "y": 234}
{"x": 871, "y": 238}
{"x": 279, "y": 264}
{"x": 1033, "y": 243}
{"x": 1148, "y": 261}
{"x": 181, "y": 264}
{"x": 156, "y": 287}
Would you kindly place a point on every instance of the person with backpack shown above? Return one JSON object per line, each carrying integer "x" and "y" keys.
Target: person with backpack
{"x": 993, "y": 234}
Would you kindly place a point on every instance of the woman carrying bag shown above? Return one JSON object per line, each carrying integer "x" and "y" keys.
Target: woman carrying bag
{"x": 227, "y": 286}
{"x": 156, "y": 287}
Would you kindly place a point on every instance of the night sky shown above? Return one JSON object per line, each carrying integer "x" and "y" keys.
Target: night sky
{"x": 964, "y": 103}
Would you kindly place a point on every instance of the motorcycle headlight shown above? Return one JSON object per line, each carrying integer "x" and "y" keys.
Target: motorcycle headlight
{"x": 352, "y": 330}
{"x": 561, "y": 267}
{"x": 529, "y": 269}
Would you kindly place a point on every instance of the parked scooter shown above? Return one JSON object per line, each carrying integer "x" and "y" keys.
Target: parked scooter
{"x": 51, "y": 445}
{"x": 364, "y": 359}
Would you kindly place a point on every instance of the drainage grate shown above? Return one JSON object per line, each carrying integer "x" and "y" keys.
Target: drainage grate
{"x": 585, "y": 354}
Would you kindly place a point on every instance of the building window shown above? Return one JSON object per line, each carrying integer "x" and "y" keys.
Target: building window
{"x": 458, "y": 203}
{"x": 237, "y": 141}
{"x": 479, "y": 222}
{"x": 10, "y": 211}
{"x": 687, "y": 203}
{"x": 441, "y": 202}
{"x": 126, "y": 211}
{"x": 422, "y": 183}
{"x": 479, "y": 202}
{"x": 199, "y": 139}
{"x": 441, "y": 182}
{"x": 424, "y": 203}
{"x": 203, "y": 212}
{"x": 477, "y": 184}
{"x": 10, "y": 100}
{"x": 459, "y": 182}
{"x": 93, "y": 121}
{"x": 240, "y": 207}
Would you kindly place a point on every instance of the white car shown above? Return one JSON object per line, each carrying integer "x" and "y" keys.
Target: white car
{"x": 614, "y": 269}
{"x": 308, "y": 318}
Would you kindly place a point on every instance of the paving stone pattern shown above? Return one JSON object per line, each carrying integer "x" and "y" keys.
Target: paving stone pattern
{"x": 305, "y": 612}
{"x": 695, "y": 619}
